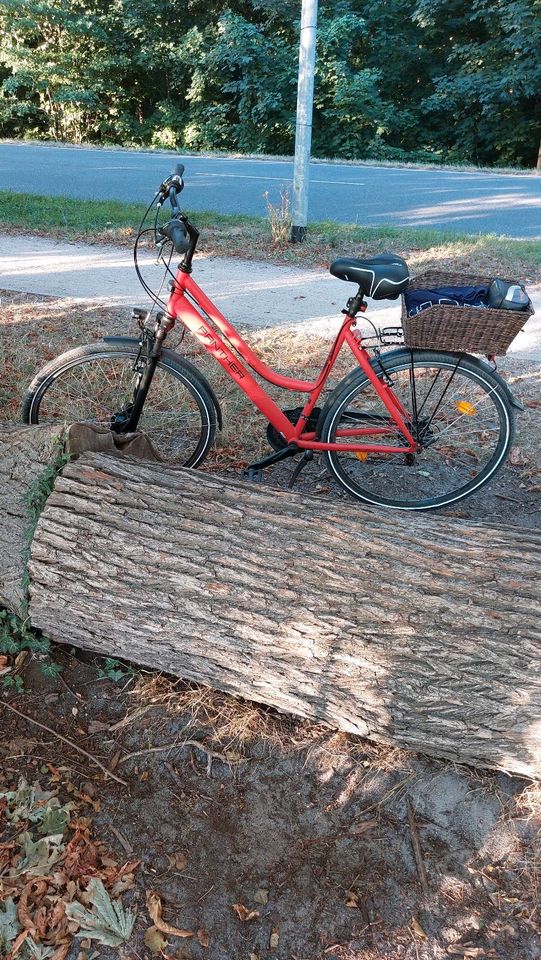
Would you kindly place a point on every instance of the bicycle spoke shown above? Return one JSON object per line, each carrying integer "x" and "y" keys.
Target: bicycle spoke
{"x": 98, "y": 389}
{"x": 452, "y": 410}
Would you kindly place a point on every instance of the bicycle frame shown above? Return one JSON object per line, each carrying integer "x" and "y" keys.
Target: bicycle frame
{"x": 207, "y": 323}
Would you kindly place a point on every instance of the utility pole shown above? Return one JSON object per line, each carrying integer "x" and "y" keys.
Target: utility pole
{"x": 303, "y": 131}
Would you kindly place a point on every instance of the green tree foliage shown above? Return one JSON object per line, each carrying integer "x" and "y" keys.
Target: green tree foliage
{"x": 489, "y": 86}
{"x": 428, "y": 79}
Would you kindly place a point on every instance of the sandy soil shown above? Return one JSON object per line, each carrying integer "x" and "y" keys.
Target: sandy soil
{"x": 307, "y": 827}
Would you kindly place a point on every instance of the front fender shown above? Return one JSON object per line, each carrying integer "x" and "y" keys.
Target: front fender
{"x": 181, "y": 361}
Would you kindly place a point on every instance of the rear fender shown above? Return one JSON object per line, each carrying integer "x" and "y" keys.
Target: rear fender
{"x": 404, "y": 352}
{"x": 182, "y": 362}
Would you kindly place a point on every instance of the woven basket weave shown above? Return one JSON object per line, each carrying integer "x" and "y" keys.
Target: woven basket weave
{"x": 461, "y": 329}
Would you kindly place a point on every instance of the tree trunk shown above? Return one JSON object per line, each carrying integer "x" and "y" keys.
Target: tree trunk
{"x": 424, "y": 632}
{"x": 26, "y": 455}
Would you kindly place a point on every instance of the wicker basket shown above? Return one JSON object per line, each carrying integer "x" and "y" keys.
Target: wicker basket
{"x": 460, "y": 329}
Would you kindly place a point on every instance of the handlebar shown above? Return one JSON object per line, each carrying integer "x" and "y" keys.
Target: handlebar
{"x": 171, "y": 187}
{"x": 175, "y": 231}
{"x": 178, "y": 230}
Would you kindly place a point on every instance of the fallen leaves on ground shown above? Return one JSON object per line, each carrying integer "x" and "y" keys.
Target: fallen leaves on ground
{"x": 243, "y": 913}
{"x": 154, "y": 940}
{"x": 155, "y": 909}
{"x": 56, "y": 881}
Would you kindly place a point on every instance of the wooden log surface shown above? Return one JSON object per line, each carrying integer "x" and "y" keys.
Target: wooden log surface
{"x": 414, "y": 630}
{"x": 26, "y": 454}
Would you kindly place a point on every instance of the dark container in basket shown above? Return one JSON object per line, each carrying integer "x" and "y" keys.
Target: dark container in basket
{"x": 460, "y": 329}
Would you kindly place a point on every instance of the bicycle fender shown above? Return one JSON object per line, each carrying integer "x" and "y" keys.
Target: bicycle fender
{"x": 478, "y": 362}
{"x": 405, "y": 352}
{"x": 183, "y": 362}
{"x": 474, "y": 361}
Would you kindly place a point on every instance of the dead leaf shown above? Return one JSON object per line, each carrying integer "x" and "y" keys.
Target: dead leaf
{"x": 155, "y": 908}
{"x": 124, "y": 883}
{"x": 243, "y": 913}
{"x": 417, "y": 929}
{"x": 364, "y": 826}
{"x": 154, "y": 940}
{"x": 115, "y": 760}
{"x": 178, "y": 860}
{"x": 517, "y": 457}
{"x": 352, "y": 899}
{"x": 61, "y": 952}
{"x": 18, "y": 942}
{"x": 203, "y": 937}
{"x": 110, "y": 923}
{"x": 261, "y": 896}
{"x": 274, "y": 938}
{"x": 96, "y": 726}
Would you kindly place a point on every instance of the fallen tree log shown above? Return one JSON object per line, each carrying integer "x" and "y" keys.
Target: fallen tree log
{"x": 30, "y": 458}
{"x": 27, "y": 456}
{"x": 420, "y": 631}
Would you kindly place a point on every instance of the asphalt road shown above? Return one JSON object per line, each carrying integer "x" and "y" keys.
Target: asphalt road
{"x": 440, "y": 199}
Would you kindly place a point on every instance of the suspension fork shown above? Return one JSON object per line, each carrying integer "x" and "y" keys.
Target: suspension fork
{"x": 155, "y": 339}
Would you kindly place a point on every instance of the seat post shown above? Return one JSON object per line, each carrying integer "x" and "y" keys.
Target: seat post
{"x": 355, "y": 304}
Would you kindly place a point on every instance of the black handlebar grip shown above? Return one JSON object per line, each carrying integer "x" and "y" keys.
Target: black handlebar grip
{"x": 176, "y": 232}
{"x": 179, "y": 169}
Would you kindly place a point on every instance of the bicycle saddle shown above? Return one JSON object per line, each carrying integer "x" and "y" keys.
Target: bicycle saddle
{"x": 383, "y": 277}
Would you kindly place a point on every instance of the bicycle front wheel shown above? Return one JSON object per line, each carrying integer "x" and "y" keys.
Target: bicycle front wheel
{"x": 457, "y": 411}
{"x": 95, "y": 384}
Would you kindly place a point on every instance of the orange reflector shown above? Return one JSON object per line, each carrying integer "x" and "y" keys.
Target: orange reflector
{"x": 361, "y": 455}
{"x": 466, "y": 408}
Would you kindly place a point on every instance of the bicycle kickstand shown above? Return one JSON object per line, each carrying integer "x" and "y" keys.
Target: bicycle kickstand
{"x": 306, "y": 458}
{"x": 254, "y": 470}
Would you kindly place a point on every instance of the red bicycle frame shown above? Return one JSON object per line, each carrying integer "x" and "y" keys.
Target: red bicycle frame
{"x": 205, "y": 322}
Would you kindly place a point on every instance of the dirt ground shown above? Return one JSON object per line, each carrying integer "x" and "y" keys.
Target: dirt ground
{"x": 305, "y": 826}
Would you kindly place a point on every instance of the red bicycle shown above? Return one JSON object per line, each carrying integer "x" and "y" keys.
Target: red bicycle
{"x": 409, "y": 429}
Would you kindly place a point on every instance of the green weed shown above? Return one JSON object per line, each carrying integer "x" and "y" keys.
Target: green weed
{"x": 16, "y": 636}
{"x": 116, "y": 671}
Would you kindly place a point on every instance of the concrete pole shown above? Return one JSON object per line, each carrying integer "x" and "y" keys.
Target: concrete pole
{"x": 303, "y": 132}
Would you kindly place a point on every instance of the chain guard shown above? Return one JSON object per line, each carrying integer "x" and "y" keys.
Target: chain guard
{"x": 275, "y": 438}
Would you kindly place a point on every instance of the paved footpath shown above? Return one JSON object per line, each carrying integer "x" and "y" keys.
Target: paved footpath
{"x": 248, "y": 292}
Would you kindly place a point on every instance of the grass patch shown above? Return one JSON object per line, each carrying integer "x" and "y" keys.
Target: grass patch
{"x": 111, "y": 221}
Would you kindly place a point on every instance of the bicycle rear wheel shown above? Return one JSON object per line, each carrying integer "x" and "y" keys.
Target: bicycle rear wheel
{"x": 459, "y": 412}
{"x": 95, "y": 383}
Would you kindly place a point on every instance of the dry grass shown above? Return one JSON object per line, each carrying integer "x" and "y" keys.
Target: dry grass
{"x": 230, "y": 721}
{"x": 279, "y": 215}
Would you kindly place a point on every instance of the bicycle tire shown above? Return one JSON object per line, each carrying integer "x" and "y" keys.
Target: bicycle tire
{"x": 378, "y": 479}
{"x": 43, "y": 400}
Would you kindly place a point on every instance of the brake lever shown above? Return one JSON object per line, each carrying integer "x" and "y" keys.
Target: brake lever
{"x": 174, "y": 180}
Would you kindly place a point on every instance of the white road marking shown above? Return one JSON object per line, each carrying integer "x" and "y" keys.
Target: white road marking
{"x": 253, "y": 176}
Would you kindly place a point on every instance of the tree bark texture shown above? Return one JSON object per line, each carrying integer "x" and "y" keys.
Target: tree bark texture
{"x": 423, "y": 632}
{"x": 26, "y": 453}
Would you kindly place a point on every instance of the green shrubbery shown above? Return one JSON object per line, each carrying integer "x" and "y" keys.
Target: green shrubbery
{"x": 432, "y": 80}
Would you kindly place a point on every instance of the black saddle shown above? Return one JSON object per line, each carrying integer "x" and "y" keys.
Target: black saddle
{"x": 383, "y": 277}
